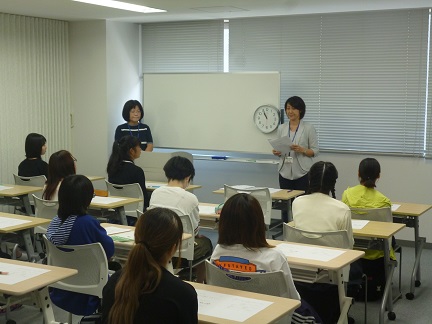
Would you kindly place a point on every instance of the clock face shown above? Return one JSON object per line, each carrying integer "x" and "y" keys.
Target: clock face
{"x": 266, "y": 118}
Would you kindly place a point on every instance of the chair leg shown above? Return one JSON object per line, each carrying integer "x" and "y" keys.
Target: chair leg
{"x": 70, "y": 318}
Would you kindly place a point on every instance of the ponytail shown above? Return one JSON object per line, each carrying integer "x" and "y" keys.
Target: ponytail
{"x": 120, "y": 152}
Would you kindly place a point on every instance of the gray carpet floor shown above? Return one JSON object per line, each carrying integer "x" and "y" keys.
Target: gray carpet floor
{"x": 417, "y": 311}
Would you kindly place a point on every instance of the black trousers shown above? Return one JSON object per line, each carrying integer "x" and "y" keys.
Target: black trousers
{"x": 296, "y": 184}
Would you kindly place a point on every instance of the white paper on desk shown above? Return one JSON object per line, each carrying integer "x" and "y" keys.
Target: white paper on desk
{"x": 234, "y": 308}
{"x": 114, "y": 230}
{"x": 18, "y": 273}
{"x": 105, "y": 200}
{"x": 154, "y": 185}
{"x": 394, "y": 207}
{"x": 6, "y": 222}
{"x": 282, "y": 144}
{"x": 5, "y": 188}
{"x": 309, "y": 252}
{"x": 206, "y": 210}
{"x": 359, "y": 223}
{"x": 130, "y": 235}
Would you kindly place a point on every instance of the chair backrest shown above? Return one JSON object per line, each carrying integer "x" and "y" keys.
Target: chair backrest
{"x": 44, "y": 209}
{"x": 187, "y": 247}
{"x": 132, "y": 190}
{"x": 383, "y": 214}
{"x": 36, "y": 181}
{"x": 90, "y": 261}
{"x": 269, "y": 283}
{"x": 337, "y": 239}
{"x": 261, "y": 194}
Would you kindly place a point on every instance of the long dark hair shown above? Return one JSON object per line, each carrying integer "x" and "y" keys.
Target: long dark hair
{"x": 322, "y": 178}
{"x": 369, "y": 172}
{"x": 242, "y": 222}
{"x": 74, "y": 196}
{"x": 120, "y": 152}
{"x": 156, "y": 232}
{"x": 61, "y": 164}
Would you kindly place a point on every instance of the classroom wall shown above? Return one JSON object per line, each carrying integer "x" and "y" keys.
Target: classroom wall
{"x": 104, "y": 60}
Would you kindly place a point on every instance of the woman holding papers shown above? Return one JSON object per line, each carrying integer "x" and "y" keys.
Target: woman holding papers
{"x": 144, "y": 291}
{"x": 294, "y": 165}
{"x": 133, "y": 113}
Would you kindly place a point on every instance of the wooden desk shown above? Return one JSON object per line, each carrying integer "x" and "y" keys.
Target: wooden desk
{"x": 118, "y": 206}
{"x": 408, "y": 214}
{"x": 36, "y": 287}
{"x": 383, "y": 231}
{"x": 308, "y": 270}
{"x": 122, "y": 248}
{"x": 279, "y": 307}
{"x": 19, "y": 194}
{"x": 24, "y": 230}
{"x": 153, "y": 185}
{"x": 95, "y": 178}
{"x": 207, "y": 220}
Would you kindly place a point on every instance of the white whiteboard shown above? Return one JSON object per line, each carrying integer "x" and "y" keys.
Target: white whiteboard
{"x": 209, "y": 111}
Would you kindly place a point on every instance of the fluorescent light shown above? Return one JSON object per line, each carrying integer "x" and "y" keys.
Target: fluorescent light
{"x": 121, "y": 5}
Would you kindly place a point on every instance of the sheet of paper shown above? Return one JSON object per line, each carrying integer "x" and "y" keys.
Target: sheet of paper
{"x": 359, "y": 223}
{"x": 206, "y": 210}
{"x": 394, "y": 207}
{"x": 114, "y": 230}
{"x": 155, "y": 185}
{"x": 18, "y": 273}
{"x": 4, "y": 188}
{"x": 124, "y": 237}
{"x": 105, "y": 200}
{"x": 308, "y": 252}
{"x": 282, "y": 144}
{"x": 229, "y": 307}
{"x": 6, "y": 222}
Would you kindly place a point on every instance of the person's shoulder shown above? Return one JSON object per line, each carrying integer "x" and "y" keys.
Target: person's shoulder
{"x": 179, "y": 285}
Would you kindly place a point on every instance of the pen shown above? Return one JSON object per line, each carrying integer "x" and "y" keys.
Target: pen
{"x": 4, "y": 272}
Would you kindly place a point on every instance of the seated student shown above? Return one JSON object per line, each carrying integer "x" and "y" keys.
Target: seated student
{"x": 317, "y": 211}
{"x": 365, "y": 195}
{"x": 61, "y": 164}
{"x": 121, "y": 169}
{"x": 33, "y": 165}
{"x": 145, "y": 291}
{"x": 73, "y": 226}
{"x": 242, "y": 236}
{"x": 180, "y": 171}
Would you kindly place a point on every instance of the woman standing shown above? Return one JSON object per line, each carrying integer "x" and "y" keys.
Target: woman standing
{"x": 133, "y": 113}
{"x": 294, "y": 166}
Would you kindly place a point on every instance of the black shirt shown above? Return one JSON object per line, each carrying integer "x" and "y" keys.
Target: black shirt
{"x": 129, "y": 173}
{"x": 32, "y": 168}
{"x": 173, "y": 301}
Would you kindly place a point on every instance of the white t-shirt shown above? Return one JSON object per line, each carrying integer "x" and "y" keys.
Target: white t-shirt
{"x": 259, "y": 260}
{"x": 320, "y": 212}
{"x": 179, "y": 200}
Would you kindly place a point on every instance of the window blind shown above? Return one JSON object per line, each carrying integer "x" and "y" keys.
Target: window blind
{"x": 362, "y": 75}
{"x": 186, "y": 46}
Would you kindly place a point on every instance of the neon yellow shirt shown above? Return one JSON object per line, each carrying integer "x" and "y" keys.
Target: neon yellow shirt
{"x": 363, "y": 197}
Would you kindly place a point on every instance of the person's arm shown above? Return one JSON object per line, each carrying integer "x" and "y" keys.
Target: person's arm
{"x": 149, "y": 147}
{"x": 117, "y": 134}
{"x": 348, "y": 227}
{"x": 312, "y": 143}
{"x": 103, "y": 238}
{"x": 149, "y": 139}
{"x": 141, "y": 181}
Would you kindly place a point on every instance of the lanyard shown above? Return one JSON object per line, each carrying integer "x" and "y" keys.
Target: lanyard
{"x": 130, "y": 131}
{"x": 289, "y": 133}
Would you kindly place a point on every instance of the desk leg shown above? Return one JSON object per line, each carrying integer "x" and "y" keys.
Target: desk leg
{"x": 26, "y": 203}
{"x": 344, "y": 301}
{"x": 43, "y": 302}
{"x": 387, "y": 298}
{"x": 26, "y": 235}
{"x": 121, "y": 215}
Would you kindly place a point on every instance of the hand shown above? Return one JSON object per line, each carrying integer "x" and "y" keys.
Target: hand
{"x": 298, "y": 148}
{"x": 277, "y": 153}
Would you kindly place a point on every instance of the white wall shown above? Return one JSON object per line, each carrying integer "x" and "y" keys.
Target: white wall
{"x": 104, "y": 59}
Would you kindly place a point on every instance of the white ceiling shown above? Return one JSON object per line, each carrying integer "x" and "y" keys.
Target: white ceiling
{"x": 197, "y": 9}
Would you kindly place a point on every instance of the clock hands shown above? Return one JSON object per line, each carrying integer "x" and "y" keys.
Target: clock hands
{"x": 265, "y": 115}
